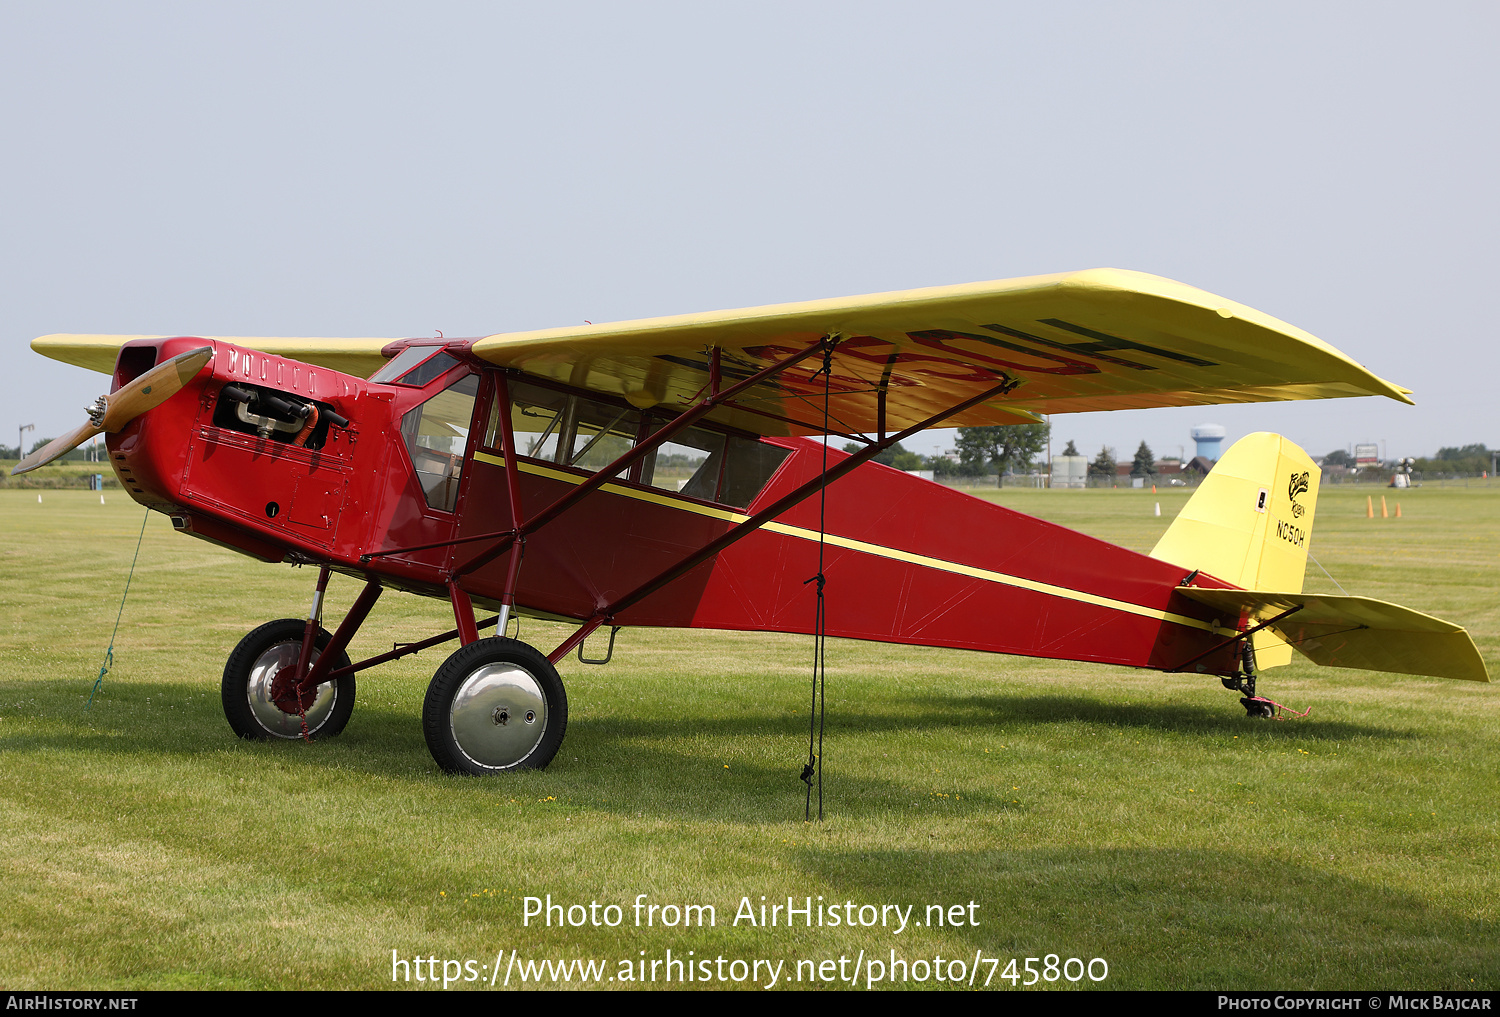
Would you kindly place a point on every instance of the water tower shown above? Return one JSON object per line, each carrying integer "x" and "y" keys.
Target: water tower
{"x": 1208, "y": 438}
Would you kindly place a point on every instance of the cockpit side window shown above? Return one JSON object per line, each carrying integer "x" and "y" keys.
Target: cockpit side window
{"x": 436, "y": 433}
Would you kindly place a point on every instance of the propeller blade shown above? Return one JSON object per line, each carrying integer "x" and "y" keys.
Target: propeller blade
{"x": 124, "y": 404}
{"x": 55, "y": 448}
{"x": 153, "y": 388}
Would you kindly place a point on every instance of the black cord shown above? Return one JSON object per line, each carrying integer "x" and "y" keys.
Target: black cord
{"x": 819, "y": 711}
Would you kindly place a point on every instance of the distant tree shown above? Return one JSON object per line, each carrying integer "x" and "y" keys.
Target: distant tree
{"x": 999, "y": 449}
{"x": 905, "y": 460}
{"x": 1145, "y": 461}
{"x": 895, "y": 456}
{"x": 1071, "y": 450}
{"x": 941, "y": 466}
{"x": 1466, "y": 452}
{"x": 1338, "y": 457}
{"x": 1103, "y": 464}
{"x": 1462, "y": 460}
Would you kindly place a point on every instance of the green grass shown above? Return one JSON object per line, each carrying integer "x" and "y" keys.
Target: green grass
{"x": 58, "y": 475}
{"x": 1089, "y": 812}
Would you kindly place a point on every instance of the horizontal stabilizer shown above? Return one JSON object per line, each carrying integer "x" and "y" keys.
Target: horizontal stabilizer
{"x": 1356, "y": 632}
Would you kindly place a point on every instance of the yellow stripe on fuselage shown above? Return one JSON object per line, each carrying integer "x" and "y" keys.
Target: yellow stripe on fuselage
{"x": 864, "y": 547}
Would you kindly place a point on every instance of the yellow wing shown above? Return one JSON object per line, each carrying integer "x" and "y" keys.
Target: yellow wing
{"x": 1098, "y": 340}
{"x": 359, "y": 357}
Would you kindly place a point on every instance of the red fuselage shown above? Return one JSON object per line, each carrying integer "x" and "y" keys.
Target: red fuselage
{"x": 906, "y": 560}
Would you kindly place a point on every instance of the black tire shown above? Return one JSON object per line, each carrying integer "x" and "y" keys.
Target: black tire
{"x": 495, "y": 706}
{"x": 253, "y": 666}
{"x": 1258, "y": 708}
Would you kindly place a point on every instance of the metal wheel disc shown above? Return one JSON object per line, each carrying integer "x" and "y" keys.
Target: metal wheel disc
{"x": 277, "y": 722}
{"x": 499, "y": 715}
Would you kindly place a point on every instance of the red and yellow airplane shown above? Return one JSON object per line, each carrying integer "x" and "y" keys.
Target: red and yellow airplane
{"x": 664, "y": 472}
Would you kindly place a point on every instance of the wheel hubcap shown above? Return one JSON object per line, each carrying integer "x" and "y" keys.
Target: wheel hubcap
{"x": 268, "y": 697}
{"x": 498, "y": 715}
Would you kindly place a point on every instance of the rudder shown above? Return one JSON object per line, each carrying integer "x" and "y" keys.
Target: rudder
{"x": 1250, "y": 523}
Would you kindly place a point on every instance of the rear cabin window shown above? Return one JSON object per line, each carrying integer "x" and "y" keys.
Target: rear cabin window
{"x": 712, "y": 466}
{"x": 588, "y": 434}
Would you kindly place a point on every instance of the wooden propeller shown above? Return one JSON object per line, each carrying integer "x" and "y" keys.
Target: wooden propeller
{"x": 112, "y": 412}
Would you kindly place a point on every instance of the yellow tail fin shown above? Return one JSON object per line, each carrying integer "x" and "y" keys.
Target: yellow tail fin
{"x": 1249, "y": 523}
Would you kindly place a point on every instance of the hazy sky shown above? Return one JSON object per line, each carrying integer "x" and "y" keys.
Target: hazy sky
{"x": 389, "y": 170}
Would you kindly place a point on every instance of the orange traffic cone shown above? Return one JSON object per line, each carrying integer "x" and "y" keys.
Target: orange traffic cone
{"x": 1398, "y": 510}
{"x": 1369, "y": 508}
{"x": 1384, "y": 514}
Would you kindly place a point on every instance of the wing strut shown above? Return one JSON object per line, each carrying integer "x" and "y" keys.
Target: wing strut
{"x": 765, "y": 515}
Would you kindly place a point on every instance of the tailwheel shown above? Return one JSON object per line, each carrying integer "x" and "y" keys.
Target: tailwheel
{"x": 1258, "y": 707}
{"x": 494, "y": 706}
{"x": 258, "y": 694}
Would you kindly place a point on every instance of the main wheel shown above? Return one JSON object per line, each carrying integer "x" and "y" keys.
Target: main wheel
{"x": 258, "y": 699}
{"x": 495, "y": 705}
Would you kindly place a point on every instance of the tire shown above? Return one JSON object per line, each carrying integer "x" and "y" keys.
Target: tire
{"x": 495, "y": 706}
{"x": 253, "y": 667}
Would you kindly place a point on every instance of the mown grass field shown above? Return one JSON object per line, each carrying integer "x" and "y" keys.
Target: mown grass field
{"x": 57, "y": 475}
{"x": 1088, "y": 812}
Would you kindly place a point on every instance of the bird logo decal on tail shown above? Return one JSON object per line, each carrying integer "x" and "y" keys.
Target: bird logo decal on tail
{"x": 1298, "y": 485}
